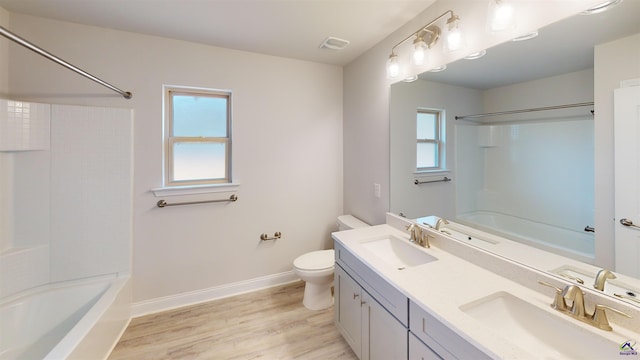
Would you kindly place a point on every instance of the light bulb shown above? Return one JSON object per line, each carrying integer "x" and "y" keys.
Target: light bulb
{"x": 455, "y": 39}
{"x": 393, "y": 66}
{"x": 419, "y": 51}
{"x": 501, "y": 15}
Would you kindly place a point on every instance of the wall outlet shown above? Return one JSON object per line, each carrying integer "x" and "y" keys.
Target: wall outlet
{"x": 376, "y": 190}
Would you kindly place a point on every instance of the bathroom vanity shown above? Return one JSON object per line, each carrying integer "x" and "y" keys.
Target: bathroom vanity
{"x": 397, "y": 300}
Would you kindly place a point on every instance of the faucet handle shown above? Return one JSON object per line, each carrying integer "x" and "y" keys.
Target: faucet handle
{"x": 600, "y": 316}
{"x": 558, "y": 301}
{"x": 425, "y": 239}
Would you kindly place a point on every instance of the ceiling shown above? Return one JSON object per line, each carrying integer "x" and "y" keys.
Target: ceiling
{"x": 285, "y": 28}
{"x": 560, "y": 48}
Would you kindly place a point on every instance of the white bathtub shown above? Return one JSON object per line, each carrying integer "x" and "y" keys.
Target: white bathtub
{"x": 572, "y": 243}
{"x": 70, "y": 320}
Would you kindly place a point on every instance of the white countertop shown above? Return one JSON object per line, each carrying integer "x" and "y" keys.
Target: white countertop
{"x": 441, "y": 287}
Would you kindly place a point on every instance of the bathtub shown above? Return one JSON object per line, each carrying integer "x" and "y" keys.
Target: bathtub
{"x": 71, "y": 320}
{"x": 579, "y": 245}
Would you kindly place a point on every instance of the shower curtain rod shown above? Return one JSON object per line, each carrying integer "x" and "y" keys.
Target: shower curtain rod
{"x": 525, "y": 110}
{"x": 15, "y": 38}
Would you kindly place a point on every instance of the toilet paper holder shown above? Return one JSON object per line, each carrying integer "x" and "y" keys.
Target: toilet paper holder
{"x": 276, "y": 235}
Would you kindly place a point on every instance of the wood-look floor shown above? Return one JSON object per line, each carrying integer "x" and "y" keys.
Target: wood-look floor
{"x": 267, "y": 324}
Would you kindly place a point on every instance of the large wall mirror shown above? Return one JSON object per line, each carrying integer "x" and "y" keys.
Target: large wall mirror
{"x": 527, "y": 171}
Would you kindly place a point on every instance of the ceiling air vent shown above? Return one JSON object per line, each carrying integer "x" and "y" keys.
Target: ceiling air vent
{"x": 334, "y": 43}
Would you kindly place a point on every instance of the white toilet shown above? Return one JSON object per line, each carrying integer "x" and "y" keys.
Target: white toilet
{"x": 316, "y": 269}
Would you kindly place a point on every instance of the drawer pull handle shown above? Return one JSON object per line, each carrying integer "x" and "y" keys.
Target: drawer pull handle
{"x": 355, "y": 296}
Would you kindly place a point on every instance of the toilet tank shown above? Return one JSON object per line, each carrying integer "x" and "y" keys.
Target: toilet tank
{"x": 347, "y": 222}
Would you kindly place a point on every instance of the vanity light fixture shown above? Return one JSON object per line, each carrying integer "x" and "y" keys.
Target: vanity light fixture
{"x": 501, "y": 16}
{"x": 476, "y": 55}
{"x": 419, "y": 51}
{"x": 601, "y": 7}
{"x": 393, "y": 66}
{"x": 524, "y": 37}
{"x": 425, "y": 38}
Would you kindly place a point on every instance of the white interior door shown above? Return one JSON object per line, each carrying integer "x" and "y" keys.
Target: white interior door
{"x": 627, "y": 180}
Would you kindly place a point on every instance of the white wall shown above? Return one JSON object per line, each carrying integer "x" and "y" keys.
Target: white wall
{"x": 287, "y": 152}
{"x": 570, "y": 88}
{"x": 6, "y": 160}
{"x": 514, "y": 175}
{"x": 614, "y": 61}
{"x": 366, "y": 93}
{"x": 70, "y": 194}
{"x": 24, "y": 210}
{"x": 543, "y": 168}
{"x": 90, "y": 191}
{"x": 426, "y": 199}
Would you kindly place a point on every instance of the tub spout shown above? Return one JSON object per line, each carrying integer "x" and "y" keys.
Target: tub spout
{"x": 601, "y": 278}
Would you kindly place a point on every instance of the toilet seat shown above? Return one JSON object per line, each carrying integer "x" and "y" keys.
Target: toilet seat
{"x": 315, "y": 260}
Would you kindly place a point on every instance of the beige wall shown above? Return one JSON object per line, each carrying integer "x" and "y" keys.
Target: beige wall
{"x": 287, "y": 148}
{"x": 614, "y": 61}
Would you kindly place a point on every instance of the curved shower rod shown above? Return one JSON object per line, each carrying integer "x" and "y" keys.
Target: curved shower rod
{"x": 17, "y": 39}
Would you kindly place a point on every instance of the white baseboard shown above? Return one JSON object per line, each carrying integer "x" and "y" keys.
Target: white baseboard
{"x": 218, "y": 292}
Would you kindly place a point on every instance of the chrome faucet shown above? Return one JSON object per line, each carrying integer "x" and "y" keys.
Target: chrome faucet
{"x": 601, "y": 278}
{"x": 440, "y": 222}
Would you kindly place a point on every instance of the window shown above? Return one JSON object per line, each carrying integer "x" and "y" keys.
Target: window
{"x": 197, "y": 136}
{"x": 429, "y": 136}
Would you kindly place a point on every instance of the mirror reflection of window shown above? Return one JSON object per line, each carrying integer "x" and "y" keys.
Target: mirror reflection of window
{"x": 429, "y": 146}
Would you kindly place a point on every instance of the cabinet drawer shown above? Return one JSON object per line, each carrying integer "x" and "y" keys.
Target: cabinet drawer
{"x": 388, "y": 296}
{"x": 440, "y": 338}
{"x": 419, "y": 351}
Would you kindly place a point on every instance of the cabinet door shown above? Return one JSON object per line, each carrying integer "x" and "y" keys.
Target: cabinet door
{"x": 384, "y": 337}
{"x": 446, "y": 342}
{"x": 348, "y": 313}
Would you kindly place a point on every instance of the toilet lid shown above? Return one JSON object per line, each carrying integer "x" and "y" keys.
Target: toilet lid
{"x": 315, "y": 260}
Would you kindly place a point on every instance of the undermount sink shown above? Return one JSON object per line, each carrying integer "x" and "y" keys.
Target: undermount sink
{"x": 542, "y": 333}
{"x": 397, "y": 252}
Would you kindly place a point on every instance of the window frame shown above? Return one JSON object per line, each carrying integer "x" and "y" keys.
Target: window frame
{"x": 169, "y": 140}
{"x": 438, "y": 140}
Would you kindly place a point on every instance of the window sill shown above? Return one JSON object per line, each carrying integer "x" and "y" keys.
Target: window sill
{"x": 195, "y": 189}
{"x": 427, "y": 173}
